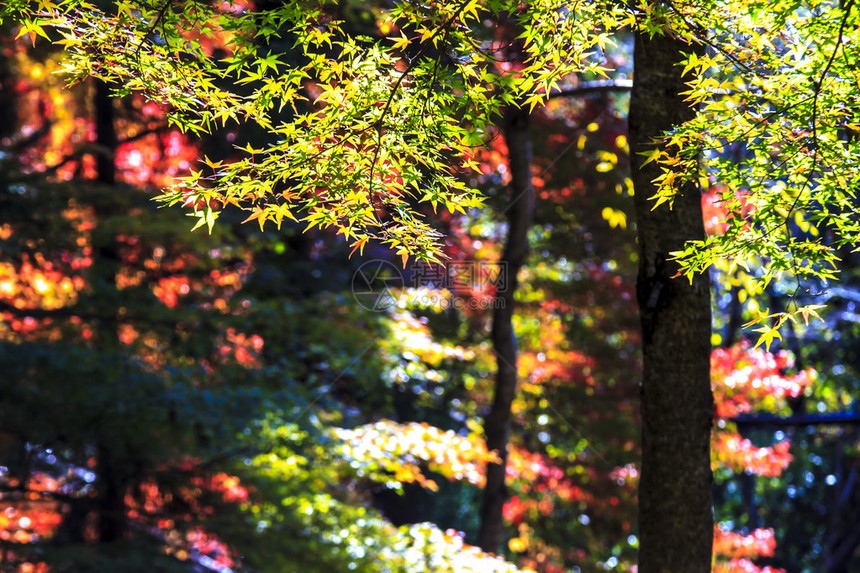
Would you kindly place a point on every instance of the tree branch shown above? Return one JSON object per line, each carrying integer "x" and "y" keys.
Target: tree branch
{"x": 775, "y": 421}
{"x": 588, "y": 88}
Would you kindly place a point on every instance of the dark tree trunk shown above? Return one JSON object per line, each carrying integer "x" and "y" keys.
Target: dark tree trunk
{"x": 113, "y": 469}
{"x": 8, "y": 98}
{"x": 733, "y": 327}
{"x": 675, "y": 508}
{"x": 497, "y": 423}
{"x": 111, "y": 501}
{"x": 106, "y": 139}
{"x": 112, "y": 476}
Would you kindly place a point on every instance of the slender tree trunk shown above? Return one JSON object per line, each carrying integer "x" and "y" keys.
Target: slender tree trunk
{"x": 113, "y": 482}
{"x": 675, "y": 508}
{"x": 497, "y": 422}
{"x": 106, "y": 138}
{"x": 8, "y": 97}
{"x": 733, "y": 327}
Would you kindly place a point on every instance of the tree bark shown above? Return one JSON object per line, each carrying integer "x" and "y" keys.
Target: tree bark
{"x": 675, "y": 507}
{"x": 113, "y": 480}
{"x": 106, "y": 138}
{"x": 8, "y": 97}
{"x": 497, "y": 422}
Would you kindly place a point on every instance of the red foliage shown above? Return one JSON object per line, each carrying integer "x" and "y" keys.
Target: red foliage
{"x": 734, "y": 551}
{"x": 157, "y": 158}
{"x": 743, "y": 566}
{"x": 743, "y": 377}
{"x": 540, "y": 484}
{"x": 746, "y": 379}
{"x": 164, "y": 510}
{"x": 557, "y": 366}
{"x": 29, "y": 521}
{"x": 229, "y": 487}
{"x": 716, "y": 215}
{"x": 740, "y": 455}
{"x": 492, "y": 159}
{"x": 759, "y": 543}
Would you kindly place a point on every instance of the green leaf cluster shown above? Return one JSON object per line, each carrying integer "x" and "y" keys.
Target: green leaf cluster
{"x": 363, "y": 130}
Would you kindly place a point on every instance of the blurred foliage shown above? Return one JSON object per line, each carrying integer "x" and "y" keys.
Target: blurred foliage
{"x": 171, "y": 397}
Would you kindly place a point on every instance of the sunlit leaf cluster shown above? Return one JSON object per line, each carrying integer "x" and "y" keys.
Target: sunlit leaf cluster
{"x": 364, "y": 127}
{"x": 394, "y": 453}
{"x": 321, "y": 510}
{"x": 776, "y": 128}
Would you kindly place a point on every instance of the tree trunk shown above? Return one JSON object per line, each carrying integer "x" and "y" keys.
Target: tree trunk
{"x": 675, "y": 508}
{"x": 106, "y": 138}
{"x": 497, "y": 423}
{"x": 113, "y": 482}
{"x": 8, "y": 97}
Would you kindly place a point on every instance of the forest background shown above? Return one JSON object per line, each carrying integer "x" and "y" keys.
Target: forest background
{"x": 275, "y": 399}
